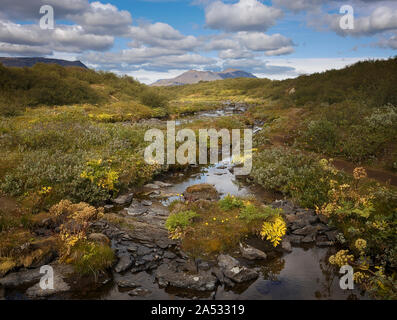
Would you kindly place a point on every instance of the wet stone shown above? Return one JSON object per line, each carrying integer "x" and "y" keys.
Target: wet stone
{"x": 125, "y": 262}
{"x": 139, "y": 292}
{"x": 126, "y": 283}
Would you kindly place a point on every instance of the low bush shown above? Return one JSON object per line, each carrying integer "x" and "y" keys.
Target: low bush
{"x": 303, "y": 177}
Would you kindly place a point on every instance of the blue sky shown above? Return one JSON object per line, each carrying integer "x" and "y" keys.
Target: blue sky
{"x": 153, "y": 39}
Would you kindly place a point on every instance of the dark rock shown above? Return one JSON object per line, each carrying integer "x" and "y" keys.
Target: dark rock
{"x": 231, "y": 268}
{"x": 147, "y": 203}
{"x": 251, "y": 253}
{"x": 169, "y": 255}
{"x": 203, "y": 265}
{"x": 203, "y": 281}
{"x": 20, "y": 278}
{"x": 240, "y": 274}
{"x": 299, "y": 224}
{"x": 295, "y": 239}
{"x": 309, "y": 238}
{"x": 324, "y": 243}
{"x": 286, "y": 245}
{"x": 143, "y": 250}
{"x": 307, "y": 230}
{"x": 331, "y": 235}
{"x": 188, "y": 266}
{"x": 148, "y": 258}
{"x": 124, "y": 263}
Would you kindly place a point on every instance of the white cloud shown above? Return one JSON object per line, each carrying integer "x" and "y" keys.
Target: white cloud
{"x": 245, "y": 15}
{"x": 162, "y": 35}
{"x": 258, "y": 41}
{"x": 23, "y": 50}
{"x": 62, "y": 38}
{"x": 101, "y": 18}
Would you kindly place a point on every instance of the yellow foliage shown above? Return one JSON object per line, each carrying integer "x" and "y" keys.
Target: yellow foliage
{"x": 341, "y": 258}
{"x": 274, "y": 231}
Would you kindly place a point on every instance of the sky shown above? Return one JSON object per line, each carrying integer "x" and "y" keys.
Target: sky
{"x": 159, "y": 39}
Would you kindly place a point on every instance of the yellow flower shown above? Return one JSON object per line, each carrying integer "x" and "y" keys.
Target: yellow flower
{"x": 360, "y": 244}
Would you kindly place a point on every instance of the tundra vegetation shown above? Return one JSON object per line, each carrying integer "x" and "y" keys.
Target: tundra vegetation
{"x": 72, "y": 139}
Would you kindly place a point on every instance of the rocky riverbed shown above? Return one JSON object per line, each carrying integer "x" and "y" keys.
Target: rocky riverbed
{"x": 152, "y": 266}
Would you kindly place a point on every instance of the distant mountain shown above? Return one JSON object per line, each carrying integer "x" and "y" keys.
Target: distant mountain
{"x": 30, "y": 62}
{"x": 193, "y": 76}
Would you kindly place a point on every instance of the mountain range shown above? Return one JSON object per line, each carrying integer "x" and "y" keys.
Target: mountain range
{"x": 193, "y": 76}
{"x": 30, "y": 62}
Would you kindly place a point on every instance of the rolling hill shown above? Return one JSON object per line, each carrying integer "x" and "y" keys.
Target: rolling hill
{"x": 193, "y": 76}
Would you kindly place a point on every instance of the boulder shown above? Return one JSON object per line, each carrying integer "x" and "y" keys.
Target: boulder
{"x": 61, "y": 273}
{"x": 166, "y": 275}
{"x": 227, "y": 262}
{"x": 251, "y": 253}
{"x": 136, "y": 209}
{"x": 241, "y": 274}
{"x": 201, "y": 192}
{"x": 123, "y": 199}
{"x": 233, "y": 270}
{"x": 21, "y": 278}
{"x": 59, "y": 286}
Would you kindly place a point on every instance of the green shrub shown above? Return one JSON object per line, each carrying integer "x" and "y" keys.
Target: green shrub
{"x": 180, "y": 220}
{"x": 153, "y": 99}
{"x": 321, "y": 135}
{"x": 230, "y": 203}
{"x": 303, "y": 177}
